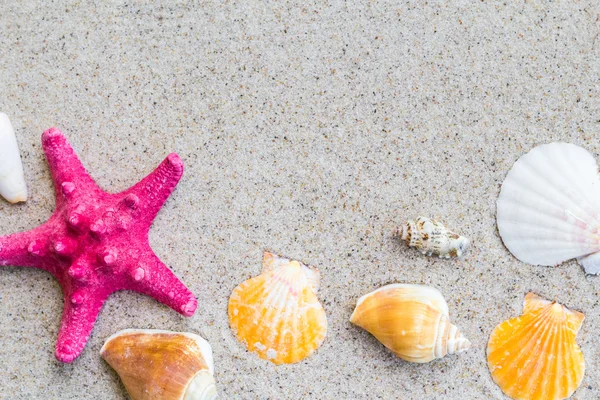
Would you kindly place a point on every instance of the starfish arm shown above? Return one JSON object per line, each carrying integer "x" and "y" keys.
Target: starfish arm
{"x": 23, "y": 249}
{"x": 68, "y": 173}
{"x": 156, "y": 280}
{"x": 80, "y": 312}
{"x": 151, "y": 192}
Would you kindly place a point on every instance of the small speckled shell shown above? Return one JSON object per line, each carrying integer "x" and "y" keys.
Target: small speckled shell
{"x": 430, "y": 237}
{"x": 535, "y": 356}
{"x": 277, "y": 314}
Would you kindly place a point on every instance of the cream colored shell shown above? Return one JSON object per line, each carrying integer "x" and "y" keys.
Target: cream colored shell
{"x": 548, "y": 210}
{"x": 431, "y": 237}
{"x": 12, "y": 181}
{"x": 410, "y": 320}
{"x": 162, "y": 365}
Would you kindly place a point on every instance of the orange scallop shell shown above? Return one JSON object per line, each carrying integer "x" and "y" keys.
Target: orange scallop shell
{"x": 535, "y": 356}
{"x": 277, "y": 314}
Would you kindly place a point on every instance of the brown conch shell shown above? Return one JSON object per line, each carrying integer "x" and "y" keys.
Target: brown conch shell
{"x": 162, "y": 365}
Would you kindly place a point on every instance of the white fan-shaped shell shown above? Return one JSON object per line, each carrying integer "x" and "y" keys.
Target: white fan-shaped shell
{"x": 12, "y": 181}
{"x": 549, "y": 207}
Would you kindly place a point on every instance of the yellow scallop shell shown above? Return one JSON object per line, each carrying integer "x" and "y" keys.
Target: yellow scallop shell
{"x": 277, "y": 314}
{"x": 535, "y": 356}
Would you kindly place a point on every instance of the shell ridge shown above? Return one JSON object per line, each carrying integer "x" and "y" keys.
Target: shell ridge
{"x": 554, "y": 251}
{"x": 244, "y": 308}
{"x": 256, "y": 315}
{"x": 306, "y": 336}
{"x": 291, "y": 276}
{"x": 580, "y": 175}
{"x": 276, "y": 317}
{"x": 535, "y": 210}
{"x": 530, "y": 381}
{"x": 524, "y": 184}
{"x": 525, "y": 340}
{"x": 294, "y": 350}
{"x": 537, "y": 356}
{"x": 513, "y": 234}
{"x": 570, "y": 181}
{"x": 275, "y": 292}
{"x": 524, "y": 166}
{"x": 549, "y": 229}
{"x": 576, "y": 357}
{"x": 553, "y": 242}
{"x": 557, "y": 176}
{"x": 295, "y": 310}
{"x": 567, "y": 364}
{"x": 273, "y": 336}
{"x": 564, "y": 361}
{"x": 273, "y": 315}
{"x": 549, "y": 252}
{"x": 560, "y": 364}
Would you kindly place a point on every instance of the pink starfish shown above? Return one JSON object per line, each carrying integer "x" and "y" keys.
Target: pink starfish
{"x": 96, "y": 243}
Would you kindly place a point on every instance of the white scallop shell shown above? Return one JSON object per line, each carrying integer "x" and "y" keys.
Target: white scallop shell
{"x": 12, "y": 182}
{"x": 549, "y": 207}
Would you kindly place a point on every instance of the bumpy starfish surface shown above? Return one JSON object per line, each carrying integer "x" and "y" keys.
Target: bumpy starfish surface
{"x": 96, "y": 243}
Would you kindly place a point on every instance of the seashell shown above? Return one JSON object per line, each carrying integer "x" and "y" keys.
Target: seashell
{"x": 410, "y": 320}
{"x": 277, "y": 314}
{"x": 548, "y": 210}
{"x": 535, "y": 356}
{"x": 430, "y": 237}
{"x": 162, "y": 365}
{"x": 12, "y": 181}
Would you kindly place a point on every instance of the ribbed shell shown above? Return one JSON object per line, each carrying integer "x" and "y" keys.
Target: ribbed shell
{"x": 162, "y": 365}
{"x": 548, "y": 210}
{"x": 535, "y": 356}
{"x": 277, "y": 314}
{"x": 410, "y": 320}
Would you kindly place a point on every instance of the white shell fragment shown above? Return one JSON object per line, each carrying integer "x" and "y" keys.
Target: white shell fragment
{"x": 12, "y": 181}
{"x": 430, "y": 237}
{"x": 548, "y": 210}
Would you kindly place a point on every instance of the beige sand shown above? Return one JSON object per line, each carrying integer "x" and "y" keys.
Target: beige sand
{"x": 310, "y": 131}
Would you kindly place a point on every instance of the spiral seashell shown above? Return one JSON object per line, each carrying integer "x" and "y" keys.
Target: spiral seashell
{"x": 430, "y": 237}
{"x": 162, "y": 365}
{"x": 410, "y": 320}
{"x": 536, "y": 356}
{"x": 277, "y": 314}
{"x": 548, "y": 210}
{"x": 12, "y": 181}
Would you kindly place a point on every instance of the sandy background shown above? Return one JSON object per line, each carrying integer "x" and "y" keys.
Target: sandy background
{"x": 310, "y": 130}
